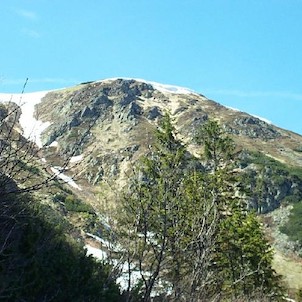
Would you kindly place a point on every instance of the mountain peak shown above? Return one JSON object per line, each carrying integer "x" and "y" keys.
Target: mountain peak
{"x": 166, "y": 88}
{"x": 122, "y": 109}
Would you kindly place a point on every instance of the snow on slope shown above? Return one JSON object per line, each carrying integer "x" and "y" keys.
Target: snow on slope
{"x": 165, "y": 88}
{"x": 32, "y": 128}
{"x": 170, "y": 88}
{"x": 76, "y": 159}
{"x": 123, "y": 267}
{"x": 232, "y": 108}
{"x": 65, "y": 178}
{"x": 95, "y": 252}
{"x": 27, "y": 101}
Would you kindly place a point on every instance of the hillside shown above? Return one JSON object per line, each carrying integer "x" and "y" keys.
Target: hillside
{"x": 115, "y": 120}
{"x": 91, "y": 135}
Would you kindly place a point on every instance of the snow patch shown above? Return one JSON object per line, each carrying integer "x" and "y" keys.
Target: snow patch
{"x": 67, "y": 179}
{"x": 31, "y": 126}
{"x": 105, "y": 221}
{"x": 115, "y": 247}
{"x": 123, "y": 280}
{"x": 170, "y": 88}
{"x": 76, "y": 159}
{"x": 99, "y": 239}
{"x": 54, "y": 144}
{"x": 232, "y": 108}
{"x": 95, "y": 252}
{"x": 256, "y": 116}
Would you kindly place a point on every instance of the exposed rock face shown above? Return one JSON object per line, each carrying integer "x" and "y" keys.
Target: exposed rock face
{"x": 3, "y": 112}
{"x": 253, "y": 127}
{"x": 275, "y": 191}
{"x": 153, "y": 113}
{"x": 111, "y": 123}
{"x": 93, "y": 104}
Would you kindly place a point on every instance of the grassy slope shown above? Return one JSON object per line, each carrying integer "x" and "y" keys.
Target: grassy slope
{"x": 290, "y": 268}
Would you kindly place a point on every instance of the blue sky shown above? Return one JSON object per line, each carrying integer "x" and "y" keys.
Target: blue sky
{"x": 245, "y": 54}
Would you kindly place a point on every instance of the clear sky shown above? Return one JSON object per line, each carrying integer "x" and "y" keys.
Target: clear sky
{"x": 245, "y": 54}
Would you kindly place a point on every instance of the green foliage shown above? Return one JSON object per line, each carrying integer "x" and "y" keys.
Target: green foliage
{"x": 217, "y": 146}
{"x": 277, "y": 167}
{"x": 299, "y": 296}
{"x": 271, "y": 184}
{"x": 72, "y": 203}
{"x": 186, "y": 226}
{"x": 246, "y": 257}
{"x": 76, "y": 205}
{"x": 38, "y": 262}
{"x": 152, "y": 210}
{"x": 28, "y": 167}
{"x": 243, "y": 257}
{"x": 293, "y": 227}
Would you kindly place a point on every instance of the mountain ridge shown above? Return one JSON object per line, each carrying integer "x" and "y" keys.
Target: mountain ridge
{"x": 177, "y": 100}
{"x": 121, "y": 115}
{"x": 122, "y": 104}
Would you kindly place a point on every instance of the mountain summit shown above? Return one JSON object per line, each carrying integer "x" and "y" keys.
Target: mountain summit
{"x": 122, "y": 113}
{"x": 107, "y": 125}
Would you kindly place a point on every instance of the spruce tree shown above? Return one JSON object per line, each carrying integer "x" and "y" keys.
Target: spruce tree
{"x": 152, "y": 209}
{"x": 243, "y": 256}
{"x": 189, "y": 226}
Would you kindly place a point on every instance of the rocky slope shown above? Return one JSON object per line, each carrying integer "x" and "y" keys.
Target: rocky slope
{"x": 108, "y": 125}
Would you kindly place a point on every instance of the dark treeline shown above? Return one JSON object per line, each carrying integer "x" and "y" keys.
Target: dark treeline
{"x": 40, "y": 262}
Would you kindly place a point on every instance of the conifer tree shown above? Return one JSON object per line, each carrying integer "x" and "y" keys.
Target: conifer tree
{"x": 153, "y": 209}
{"x": 243, "y": 257}
{"x": 188, "y": 226}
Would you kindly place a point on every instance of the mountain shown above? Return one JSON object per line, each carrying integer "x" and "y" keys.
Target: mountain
{"x": 91, "y": 135}
{"x": 108, "y": 125}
